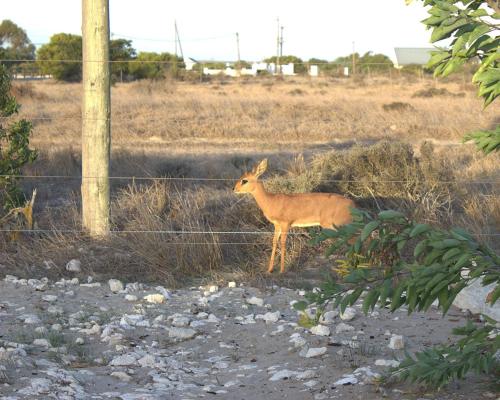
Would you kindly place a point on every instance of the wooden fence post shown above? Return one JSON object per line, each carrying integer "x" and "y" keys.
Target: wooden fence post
{"x": 96, "y": 117}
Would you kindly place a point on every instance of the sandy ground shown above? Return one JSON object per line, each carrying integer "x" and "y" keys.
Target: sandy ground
{"x": 74, "y": 340}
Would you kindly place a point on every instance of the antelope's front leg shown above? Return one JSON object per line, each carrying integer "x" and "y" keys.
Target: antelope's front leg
{"x": 284, "y": 234}
{"x": 277, "y": 233}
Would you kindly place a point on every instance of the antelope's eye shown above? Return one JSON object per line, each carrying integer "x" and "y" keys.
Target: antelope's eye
{"x": 244, "y": 181}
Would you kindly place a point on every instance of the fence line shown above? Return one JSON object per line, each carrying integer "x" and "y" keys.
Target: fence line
{"x": 198, "y": 63}
{"x": 172, "y": 232}
{"x": 169, "y": 178}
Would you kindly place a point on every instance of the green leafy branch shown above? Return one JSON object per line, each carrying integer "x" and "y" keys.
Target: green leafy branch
{"x": 14, "y": 145}
{"x": 440, "y": 365}
{"x": 472, "y": 26}
{"x": 394, "y": 262}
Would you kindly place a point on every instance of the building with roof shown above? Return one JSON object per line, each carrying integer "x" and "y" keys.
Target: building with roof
{"x": 412, "y": 55}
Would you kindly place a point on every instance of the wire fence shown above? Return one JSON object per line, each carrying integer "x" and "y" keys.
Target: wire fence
{"x": 362, "y": 67}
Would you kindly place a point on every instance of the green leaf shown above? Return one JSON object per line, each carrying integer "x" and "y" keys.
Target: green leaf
{"x": 368, "y": 229}
{"x": 300, "y": 305}
{"x": 390, "y": 214}
{"x": 370, "y": 300}
{"x": 419, "y": 229}
{"x": 443, "y": 32}
{"x": 452, "y": 253}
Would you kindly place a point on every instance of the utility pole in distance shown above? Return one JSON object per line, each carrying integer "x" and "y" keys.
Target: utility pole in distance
{"x": 238, "y": 49}
{"x": 278, "y": 48}
{"x": 281, "y": 43}
{"x": 353, "y": 59}
{"x": 96, "y": 117}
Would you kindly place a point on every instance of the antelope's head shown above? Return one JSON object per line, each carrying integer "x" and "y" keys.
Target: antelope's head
{"x": 248, "y": 181}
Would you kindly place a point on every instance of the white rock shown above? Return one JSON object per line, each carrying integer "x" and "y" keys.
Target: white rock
{"x": 156, "y": 298}
{"x": 473, "y": 298}
{"x": 130, "y": 297}
{"x": 56, "y": 310}
{"x": 348, "y": 314}
{"x": 181, "y": 321}
{"x": 129, "y": 321}
{"x": 74, "y": 266}
{"x": 320, "y": 330}
{"x": 328, "y": 317}
{"x": 41, "y": 342}
{"x": 347, "y": 380}
{"x": 181, "y": 333}
{"x": 297, "y": 340}
{"x": 123, "y": 376}
{"x": 315, "y": 352}
{"x": 231, "y": 284}
{"x": 29, "y": 319}
{"x": 280, "y": 375}
{"x": 115, "y": 285}
{"x": 343, "y": 328}
{"x": 269, "y": 317}
{"x": 147, "y": 361}
{"x": 256, "y": 301}
{"x": 396, "y": 342}
{"x": 387, "y": 363}
{"x": 307, "y": 374}
{"x": 366, "y": 375}
{"x": 79, "y": 341}
{"x": 213, "y": 289}
{"x": 49, "y": 298}
{"x": 122, "y": 361}
{"x": 164, "y": 292}
{"x": 56, "y": 327}
{"x": 95, "y": 330}
{"x": 310, "y": 384}
{"x": 213, "y": 319}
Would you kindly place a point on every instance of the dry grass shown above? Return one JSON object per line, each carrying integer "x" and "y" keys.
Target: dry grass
{"x": 308, "y": 128}
{"x": 298, "y": 111}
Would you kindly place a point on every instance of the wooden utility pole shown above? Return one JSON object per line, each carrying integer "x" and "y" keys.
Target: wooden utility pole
{"x": 278, "y": 48}
{"x": 96, "y": 117}
{"x": 353, "y": 59}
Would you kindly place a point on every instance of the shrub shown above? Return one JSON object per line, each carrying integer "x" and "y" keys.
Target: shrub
{"x": 14, "y": 145}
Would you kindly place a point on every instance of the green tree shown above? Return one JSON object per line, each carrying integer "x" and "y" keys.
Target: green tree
{"x": 121, "y": 50}
{"x": 473, "y": 28}
{"x": 61, "y": 57}
{"x": 368, "y": 62}
{"x": 152, "y": 65}
{"x": 299, "y": 65}
{"x": 15, "y": 43}
{"x": 14, "y": 145}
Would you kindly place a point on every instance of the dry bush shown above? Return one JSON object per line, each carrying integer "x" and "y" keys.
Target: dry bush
{"x": 433, "y": 92}
{"x": 389, "y": 175}
{"x": 27, "y": 90}
{"x": 398, "y": 106}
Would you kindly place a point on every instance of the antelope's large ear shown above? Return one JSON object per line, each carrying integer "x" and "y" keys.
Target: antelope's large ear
{"x": 260, "y": 168}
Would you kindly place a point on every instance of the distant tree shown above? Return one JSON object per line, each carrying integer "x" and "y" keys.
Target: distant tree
{"x": 324, "y": 65}
{"x": 121, "y": 50}
{"x": 367, "y": 62}
{"x": 299, "y": 66}
{"x": 242, "y": 64}
{"x": 15, "y": 43}
{"x": 152, "y": 65}
{"x": 61, "y": 57}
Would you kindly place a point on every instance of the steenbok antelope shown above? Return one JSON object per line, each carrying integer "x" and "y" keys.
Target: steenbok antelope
{"x": 288, "y": 210}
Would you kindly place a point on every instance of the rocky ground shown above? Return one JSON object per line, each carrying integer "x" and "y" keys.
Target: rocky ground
{"x": 75, "y": 339}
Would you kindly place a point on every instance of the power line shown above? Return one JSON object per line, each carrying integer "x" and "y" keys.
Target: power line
{"x": 168, "y": 178}
{"x": 174, "y": 232}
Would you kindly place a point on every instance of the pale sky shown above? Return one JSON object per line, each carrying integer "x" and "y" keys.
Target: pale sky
{"x": 313, "y": 28}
